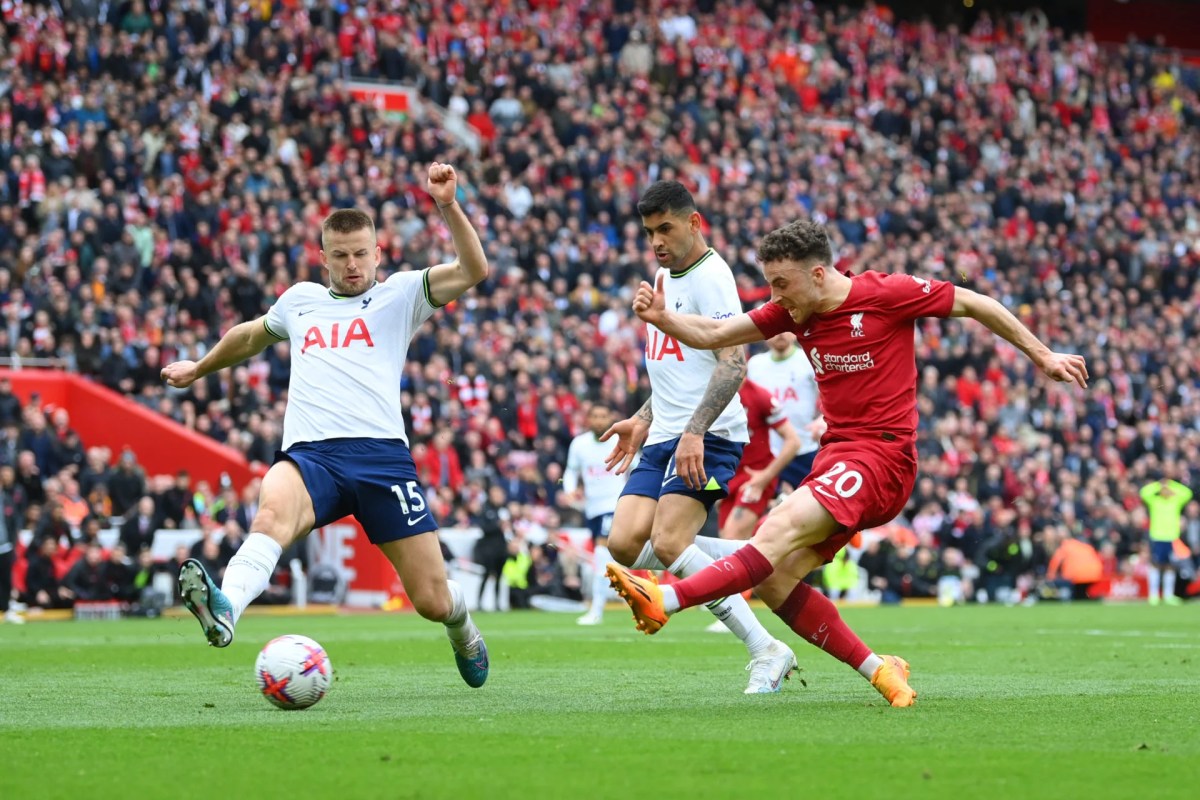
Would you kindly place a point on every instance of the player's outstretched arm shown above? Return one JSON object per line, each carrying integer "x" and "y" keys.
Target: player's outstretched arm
{"x": 788, "y": 448}
{"x": 448, "y": 281}
{"x": 239, "y": 343}
{"x": 1063, "y": 367}
{"x": 693, "y": 330}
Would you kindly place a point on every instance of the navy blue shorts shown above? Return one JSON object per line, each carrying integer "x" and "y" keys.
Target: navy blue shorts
{"x": 655, "y": 475}
{"x": 797, "y": 469}
{"x": 1161, "y": 552}
{"x": 374, "y": 480}
{"x": 600, "y": 525}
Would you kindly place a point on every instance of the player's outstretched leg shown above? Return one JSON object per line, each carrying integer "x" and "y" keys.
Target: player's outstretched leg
{"x": 644, "y": 597}
{"x": 207, "y": 603}
{"x": 470, "y": 651}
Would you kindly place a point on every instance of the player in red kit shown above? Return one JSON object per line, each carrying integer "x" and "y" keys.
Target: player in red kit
{"x": 858, "y": 333}
{"x": 753, "y": 486}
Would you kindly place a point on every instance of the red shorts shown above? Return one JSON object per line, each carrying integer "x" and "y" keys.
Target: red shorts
{"x": 862, "y": 484}
{"x": 734, "y": 498}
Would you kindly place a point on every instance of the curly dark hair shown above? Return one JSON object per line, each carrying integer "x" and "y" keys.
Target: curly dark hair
{"x": 347, "y": 220}
{"x": 666, "y": 197}
{"x": 802, "y": 241}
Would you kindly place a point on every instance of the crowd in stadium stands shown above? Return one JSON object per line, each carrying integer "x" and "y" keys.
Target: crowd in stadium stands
{"x": 165, "y": 166}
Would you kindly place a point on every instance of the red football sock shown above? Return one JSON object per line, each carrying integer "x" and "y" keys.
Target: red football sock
{"x": 816, "y": 619}
{"x": 745, "y": 569}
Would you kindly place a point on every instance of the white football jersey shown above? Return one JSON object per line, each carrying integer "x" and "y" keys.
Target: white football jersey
{"x": 679, "y": 375}
{"x": 348, "y": 355}
{"x": 793, "y": 384}
{"x": 585, "y": 464}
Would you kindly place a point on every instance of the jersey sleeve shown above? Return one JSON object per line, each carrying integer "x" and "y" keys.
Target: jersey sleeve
{"x": 717, "y": 299}
{"x": 761, "y": 405}
{"x": 772, "y": 320}
{"x": 908, "y": 297}
{"x": 276, "y": 319}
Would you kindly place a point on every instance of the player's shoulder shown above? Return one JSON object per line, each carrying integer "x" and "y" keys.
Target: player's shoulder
{"x": 306, "y": 290}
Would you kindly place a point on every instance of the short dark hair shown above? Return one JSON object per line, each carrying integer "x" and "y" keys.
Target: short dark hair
{"x": 346, "y": 220}
{"x": 666, "y": 197}
{"x": 803, "y": 241}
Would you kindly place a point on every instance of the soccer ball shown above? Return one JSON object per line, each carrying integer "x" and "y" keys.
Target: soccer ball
{"x": 293, "y": 672}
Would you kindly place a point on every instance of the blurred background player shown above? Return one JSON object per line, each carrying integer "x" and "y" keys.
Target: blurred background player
{"x": 345, "y": 449}
{"x": 753, "y": 487}
{"x": 1165, "y": 500}
{"x": 784, "y": 371}
{"x": 588, "y": 481}
{"x": 693, "y": 427}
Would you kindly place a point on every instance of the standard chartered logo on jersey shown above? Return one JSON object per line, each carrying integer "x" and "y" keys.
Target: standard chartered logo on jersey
{"x": 849, "y": 362}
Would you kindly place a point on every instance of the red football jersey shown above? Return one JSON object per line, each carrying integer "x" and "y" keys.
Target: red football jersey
{"x": 864, "y": 354}
{"x": 762, "y": 414}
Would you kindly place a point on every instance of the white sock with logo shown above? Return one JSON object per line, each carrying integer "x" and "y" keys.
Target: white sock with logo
{"x": 734, "y": 612}
{"x": 250, "y": 570}
{"x": 459, "y": 626}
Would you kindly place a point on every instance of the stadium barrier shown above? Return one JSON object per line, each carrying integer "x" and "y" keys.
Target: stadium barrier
{"x": 104, "y": 418}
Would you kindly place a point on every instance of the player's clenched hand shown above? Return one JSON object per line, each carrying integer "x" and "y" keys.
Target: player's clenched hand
{"x": 442, "y": 184}
{"x": 631, "y": 434}
{"x": 689, "y": 461}
{"x": 649, "y": 303}
{"x": 1066, "y": 368}
{"x": 180, "y": 374}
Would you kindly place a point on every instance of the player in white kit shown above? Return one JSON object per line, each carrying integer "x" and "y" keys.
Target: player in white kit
{"x": 785, "y": 372}
{"x": 345, "y": 450}
{"x": 587, "y": 479}
{"x": 693, "y": 427}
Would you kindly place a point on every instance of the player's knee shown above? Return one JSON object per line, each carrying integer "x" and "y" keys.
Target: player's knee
{"x": 267, "y": 521}
{"x": 432, "y": 605}
{"x": 623, "y": 551}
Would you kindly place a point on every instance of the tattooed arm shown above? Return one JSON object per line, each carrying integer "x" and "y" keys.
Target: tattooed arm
{"x": 631, "y": 434}
{"x": 722, "y": 386}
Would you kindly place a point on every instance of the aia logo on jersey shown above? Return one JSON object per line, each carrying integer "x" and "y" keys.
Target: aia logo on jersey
{"x": 784, "y": 396}
{"x": 659, "y": 346}
{"x": 856, "y": 328}
{"x": 356, "y": 331}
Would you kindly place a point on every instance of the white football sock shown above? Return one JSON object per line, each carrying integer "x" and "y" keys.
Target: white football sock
{"x": 250, "y": 570}
{"x": 599, "y": 579}
{"x": 1153, "y": 578}
{"x": 459, "y": 626}
{"x": 670, "y": 600}
{"x": 734, "y": 612}
{"x": 1168, "y": 583}
{"x": 719, "y": 548}
{"x": 646, "y": 559}
{"x": 868, "y": 667}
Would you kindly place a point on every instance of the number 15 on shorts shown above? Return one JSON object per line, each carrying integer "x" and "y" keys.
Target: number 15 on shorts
{"x": 411, "y": 500}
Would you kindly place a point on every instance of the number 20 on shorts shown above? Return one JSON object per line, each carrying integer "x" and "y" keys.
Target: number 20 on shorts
{"x": 845, "y": 482}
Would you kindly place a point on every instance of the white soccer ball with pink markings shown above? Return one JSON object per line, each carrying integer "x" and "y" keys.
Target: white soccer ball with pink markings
{"x": 293, "y": 672}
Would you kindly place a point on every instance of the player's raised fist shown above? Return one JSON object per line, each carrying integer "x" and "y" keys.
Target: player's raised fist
{"x": 442, "y": 184}
{"x": 180, "y": 374}
{"x": 649, "y": 302}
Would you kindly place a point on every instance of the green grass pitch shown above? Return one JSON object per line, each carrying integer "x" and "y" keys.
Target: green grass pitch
{"x": 1072, "y": 701}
